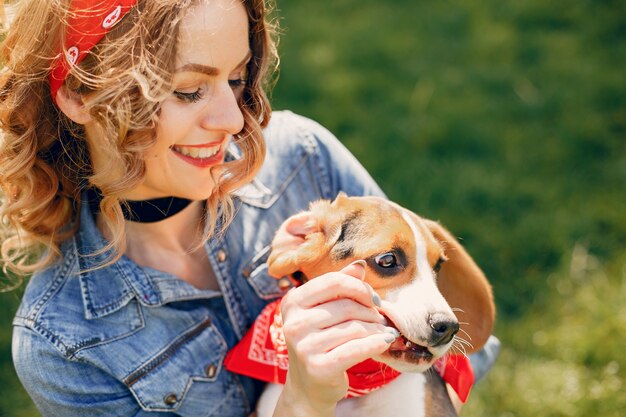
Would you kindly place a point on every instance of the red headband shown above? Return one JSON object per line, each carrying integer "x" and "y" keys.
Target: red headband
{"x": 89, "y": 21}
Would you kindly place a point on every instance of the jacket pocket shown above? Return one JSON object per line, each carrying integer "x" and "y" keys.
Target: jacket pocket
{"x": 186, "y": 376}
{"x": 264, "y": 285}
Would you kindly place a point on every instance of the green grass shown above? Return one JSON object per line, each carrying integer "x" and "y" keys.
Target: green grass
{"x": 506, "y": 121}
{"x": 564, "y": 358}
{"x": 16, "y": 402}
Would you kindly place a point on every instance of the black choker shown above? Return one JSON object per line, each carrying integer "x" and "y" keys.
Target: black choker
{"x": 143, "y": 211}
{"x": 154, "y": 210}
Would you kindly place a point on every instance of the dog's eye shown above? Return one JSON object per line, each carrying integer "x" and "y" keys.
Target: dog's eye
{"x": 387, "y": 260}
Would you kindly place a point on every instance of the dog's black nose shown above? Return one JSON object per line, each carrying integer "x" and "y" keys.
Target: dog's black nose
{"x": 444, "y": 328}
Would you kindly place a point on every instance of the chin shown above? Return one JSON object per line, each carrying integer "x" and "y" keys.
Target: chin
{"x": 198, "y": 191}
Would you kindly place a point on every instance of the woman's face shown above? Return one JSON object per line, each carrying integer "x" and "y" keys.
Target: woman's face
{"x": 201, "y": 116}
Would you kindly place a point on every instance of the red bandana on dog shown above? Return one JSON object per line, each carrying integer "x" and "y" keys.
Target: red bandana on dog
{"x": 262, "y": 354}
{"x": 88, "y": 22}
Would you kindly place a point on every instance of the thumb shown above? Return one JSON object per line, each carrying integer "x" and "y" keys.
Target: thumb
{"x": 355, "y": 269}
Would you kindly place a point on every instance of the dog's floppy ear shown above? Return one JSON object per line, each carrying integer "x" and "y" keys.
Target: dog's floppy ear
{"x": 465, "y": 288}
{"x": 300, "y": 242}
{"x": 289, "y": 239}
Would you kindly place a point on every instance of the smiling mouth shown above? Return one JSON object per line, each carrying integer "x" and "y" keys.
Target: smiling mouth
{"x": 200, "y": 156}
{"x": 197, "y": 152}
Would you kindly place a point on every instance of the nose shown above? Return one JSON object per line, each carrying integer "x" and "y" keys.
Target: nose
{"x": 443, "y": 328}
{"x": 223, "y": 112}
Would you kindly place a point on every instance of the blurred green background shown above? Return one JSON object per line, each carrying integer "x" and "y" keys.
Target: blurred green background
{"x": 506, "y": 121}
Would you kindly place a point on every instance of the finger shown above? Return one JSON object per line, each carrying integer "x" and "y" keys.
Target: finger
{"x": 338, "y": 311}
{"x": 355, "y": 351}
{"x": 300, "y": 322}
{"x": 331, "y": 286}
{"x": 356, "y": 269}
{"x": 328, "y": 339}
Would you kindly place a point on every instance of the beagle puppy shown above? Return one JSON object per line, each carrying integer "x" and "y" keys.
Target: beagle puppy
{"x": 432, "y": 292}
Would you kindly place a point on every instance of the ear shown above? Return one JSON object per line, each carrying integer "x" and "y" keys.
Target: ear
{"x": 465, "y": 288}
{"x": 298, "y": 241}
{"x": 289, "y": 242}
{"x": 72, "y": 105}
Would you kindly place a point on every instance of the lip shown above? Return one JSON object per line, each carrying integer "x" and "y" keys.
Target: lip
{"x": 216, "y": 159}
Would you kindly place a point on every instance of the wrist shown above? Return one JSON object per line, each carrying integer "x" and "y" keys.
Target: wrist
{"x": 294, "y": 403}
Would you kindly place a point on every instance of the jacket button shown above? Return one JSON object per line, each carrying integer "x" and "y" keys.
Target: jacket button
{"x": 210, "y": 371}
{"x": 284, "y": 283}
{"x": 221, "y": 255}
{"x": 247, "y": 272}
{"x": 170, "y": 399}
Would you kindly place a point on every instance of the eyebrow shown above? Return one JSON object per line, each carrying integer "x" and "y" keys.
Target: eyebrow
{"x": 208, "y": 70}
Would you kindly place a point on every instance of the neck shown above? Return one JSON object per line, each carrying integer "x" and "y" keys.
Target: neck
{"x": 173, "y": 246}
{"x": 179, "y": 233}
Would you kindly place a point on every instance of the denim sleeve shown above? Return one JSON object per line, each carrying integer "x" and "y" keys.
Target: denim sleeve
{"x": 339, "y": 170}
{"x": 63, "y": 388}
{"x": 483, "y": 360}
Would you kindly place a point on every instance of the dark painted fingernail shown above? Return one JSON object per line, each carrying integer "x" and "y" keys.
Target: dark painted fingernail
{"x": 376, "y": 300}
{"x": 393, "y": 331}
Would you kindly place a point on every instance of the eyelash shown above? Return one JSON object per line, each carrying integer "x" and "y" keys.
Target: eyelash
{"x": 193, "y": 97}
{"x": 238, "y": 83}
{"x": 196, "y": 96}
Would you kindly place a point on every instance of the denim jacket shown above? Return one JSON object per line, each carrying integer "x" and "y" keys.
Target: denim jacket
{"x": 126, "y": 340}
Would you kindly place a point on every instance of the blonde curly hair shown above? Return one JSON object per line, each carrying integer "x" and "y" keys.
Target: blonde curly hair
{"x": 44, "y": 156}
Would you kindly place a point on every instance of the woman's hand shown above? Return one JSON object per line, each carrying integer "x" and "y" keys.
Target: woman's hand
{"x": 330, "y": 324}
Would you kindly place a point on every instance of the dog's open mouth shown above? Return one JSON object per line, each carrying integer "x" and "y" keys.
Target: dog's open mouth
{"x": 404, "y": 349}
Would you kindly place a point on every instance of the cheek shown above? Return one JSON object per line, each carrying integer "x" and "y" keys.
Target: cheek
{"x": 159, "y": 151}
{"x": 159, "y": 159}
{"x": 154, "y": 169}
{"x": 173, "y": 124}
{"x": 168, "y": 133}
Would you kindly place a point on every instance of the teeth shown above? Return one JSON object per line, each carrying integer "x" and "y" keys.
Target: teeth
{"x": 200, "y": 153}
{"x": 208, "y": 152}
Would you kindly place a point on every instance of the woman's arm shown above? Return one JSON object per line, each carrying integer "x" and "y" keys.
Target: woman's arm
{"x": 60, "y": 387}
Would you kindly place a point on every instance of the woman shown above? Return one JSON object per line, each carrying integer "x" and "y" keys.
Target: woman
{"x": 131, "y": 161}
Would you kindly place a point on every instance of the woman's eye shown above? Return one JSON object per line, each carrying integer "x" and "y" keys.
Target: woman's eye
{"x": 241, "y": 80}
{"x": 386, "y": 260}
{"x": 438, "y": 264}
{"x": 192, "y": 97}
{"x": 238, "y": 83}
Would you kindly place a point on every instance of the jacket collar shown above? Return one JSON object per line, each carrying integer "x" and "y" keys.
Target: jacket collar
{"x": 109, "y": 288}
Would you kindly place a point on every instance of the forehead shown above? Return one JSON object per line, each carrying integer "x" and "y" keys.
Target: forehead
{"x": 432, "y": 247}
{"x": 211, "y": 31}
